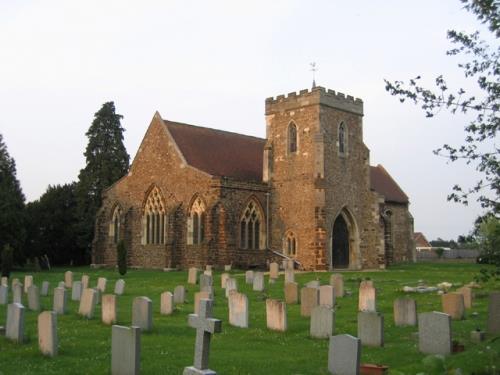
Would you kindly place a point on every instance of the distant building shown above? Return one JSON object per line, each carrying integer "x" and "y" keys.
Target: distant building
{"x": 421, "y": 243}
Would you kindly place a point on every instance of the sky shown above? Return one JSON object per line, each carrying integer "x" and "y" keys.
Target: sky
{"x": 213, "y": 64}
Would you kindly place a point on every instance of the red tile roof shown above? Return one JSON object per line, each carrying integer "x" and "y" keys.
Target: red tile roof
{"x": 382, "y": 182}
{"x": 218, "y": 152}
{"x": 420, "y": 240}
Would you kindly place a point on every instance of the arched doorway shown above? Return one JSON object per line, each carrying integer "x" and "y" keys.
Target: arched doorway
{"x": 340, "y": 243}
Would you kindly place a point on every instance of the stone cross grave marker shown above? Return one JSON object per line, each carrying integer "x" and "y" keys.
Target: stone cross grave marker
{"x": 47, "y": 333}
{"x": 249, "y": 277}
{"x": 166, "y": 303}
{"x": 223, "y": 280}
{"x": 367, "y": 297}
{"x": 344, "y": 355}
{"x": 198, "y": 297}
{"x": 291, "y": 293}
{"x": 33, "y": 298}
{"x": 15, "y": 322}
{"x": 276, "y": 316}
{"x": 108, "y": 309}
{"x": 258, "y": 281}
{"x": 4, "y": 295}
{"x": 309, "y": 299}
{"x": 68, "y": 279}
{"x": 44, "y": 291}
{"x": 101, "y": 284}
{"x": 192, "y": 275}
{"x": 453, "y": 305}
{"x": 231, "y": 284}
{"x": 76, "y": 291}
{"x": 125, "y": 350}
{"x": 88, "y": 303}
{"x": 337, "y": 281}
{"x": 493, "y": 325}
{"x": 371, "y": 328}
{"x": 238, "y": 310}
{"x": 274, "y": 270}
{"x": 119, "y": 287}
{"x": 142, "y": 313}
{"x": 205, "y": 326}
{"x": 322, "y": 322}
{"x": 434, "y": 333}
{"x": 60, "y": 301}
{"x": 179, "y": 294}
{"x": 405, "y": 312}
{"x": 327, "y": 295}
{"x": 85, "y": 281}
{"x": 28, "y": 281}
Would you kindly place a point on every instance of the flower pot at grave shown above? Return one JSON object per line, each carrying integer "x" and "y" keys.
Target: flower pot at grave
{"x": 457, "y": 347}
{"x": 370, "y": 369}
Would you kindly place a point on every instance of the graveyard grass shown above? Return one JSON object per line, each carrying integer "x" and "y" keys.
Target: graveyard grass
{"x": 85, "y": 345}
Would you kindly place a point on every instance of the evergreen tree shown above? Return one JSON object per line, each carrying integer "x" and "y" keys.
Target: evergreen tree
{"x": 11, "y": 205}
{"x": 122, "y": 257}
{"x": 106, "y": 161}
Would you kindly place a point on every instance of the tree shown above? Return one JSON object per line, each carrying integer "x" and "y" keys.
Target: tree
{"x": 7, "y": 260}
{"x": 11, "y": 205}
{"x": 481, "y": 64}
{"x": 107, "y": 160}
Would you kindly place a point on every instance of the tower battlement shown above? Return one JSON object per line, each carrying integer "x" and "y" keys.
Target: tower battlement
{"x": 315, "y": 96}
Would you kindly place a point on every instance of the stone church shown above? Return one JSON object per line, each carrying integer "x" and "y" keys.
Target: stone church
{"x": 197, "y": 196}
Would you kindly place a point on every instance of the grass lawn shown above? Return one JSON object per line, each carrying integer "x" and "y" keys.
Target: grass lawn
{"x": 85, "y": 345}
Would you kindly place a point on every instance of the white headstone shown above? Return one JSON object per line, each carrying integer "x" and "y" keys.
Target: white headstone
{"x": 223, "y": 279}
{"x": 33, "y": 298}
{"x": 76, "y": 291}
{"x": 274, "y": 270}
{"x": 17, "y": 293}
{"x": 192, "y": 275}
{"x": 166, "y": 303}
{"x": 45, "y": 289}
{"x": 179, "y": 294}
{"x": 85, "y": 282}
{"x": 28, "y": 281}
{"x": 249, "y": 277}
{"x": 47, "y": 333}
{"x": 337, "y": 281}
{"x": 68, "y": 279}
{"x": 434, "y": 333}
{"x": 258, "y": 282}
{"x": 231, "y": 284}
{"x": 276, "y": 316}
{"x": 142, "y": 313}
{"x": 125, "y": 350}
{"x": 119, "y": 287}
{"x": 15, "y": 322}
{"x": 60, "y": 300}
{"x": 238, "y": 310}
{"x": 327, "y": 295}
{"x": 88, "y": 303}
{"x": 101, "y": 284}
{"x": 289, "y": 275}
{"x": 108, "y": 309}
{"x": 322, "y": 322}
{"x": 344, "y": 355}
{"x": 4, "y": 295}
{"x": 367, "y": 297}
{"x": 371, "y": 328}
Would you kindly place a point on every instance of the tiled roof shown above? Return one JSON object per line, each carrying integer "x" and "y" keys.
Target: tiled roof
{"x": 382, "y": 182}
{"x": 420, "y": 240}
{"x": 219, "y": 153}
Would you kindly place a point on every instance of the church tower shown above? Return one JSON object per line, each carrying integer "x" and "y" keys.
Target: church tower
{"x": 317, "y": 167}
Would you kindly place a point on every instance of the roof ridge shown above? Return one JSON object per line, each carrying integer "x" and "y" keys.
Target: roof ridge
{"x": 380, "y": 166}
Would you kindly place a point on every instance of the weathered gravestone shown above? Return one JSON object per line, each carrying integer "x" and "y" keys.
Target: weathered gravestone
{"x": 322, "y": 322}
{"x": 313, "y": 284}
{"x": 60, "y": 301}
{"x": 119, "y": 287}
{"x": 198, "y": 297}
{"x": 327, "y": 295}
{"x": 108, "y": 309}
{"x": 249, "y": 277}
{"x": 453, "y": 305}
{"x": 61, "y": 284}
{"x": 289, "y": 275}
{"x": 192, "y": 275}
{"x": 309, "y": 299}
{"x": 5, "y": 281}
{"x": 434, "y": 333}
{"x": 238, "y": 310}
{"x": 125, "y": 350}
{"x": 88, "y": 303}
{"x": 231, "y": 284}
{"x": 274, "y": 270}
{"x": 223, "y": 280}
{"x": 208, "y": 273}
{"x": 367, "y": 297}
{"x": 15, "y": 281}
{"x": 405, "y": 312}
{"x": 28, "y": 281}
{"x": 337, "y": 281}
{"x": 258, "y": 281}
{"x": 208, "y": 267}
{"x": 227, "y": 267}
{"x": 142, "y": 313}
{"x": 68, "y": 279}
{"x": 4, "y": 295}
{"x": 166, "y": 303}
{"x": 291, "y": 293}
{"x": 33, "y": 298}
{"x": 47, "y": 333}
{"x": 468, "y": 296}
{"x": 85, "y": 281}
{"x": 76, "y": 291}
{"x": 205, "y": 326}
{"x": 493, "y": 325}
{"x": 15, "y": 322}
{"x": 276, "y": 316}
{"x": 17, "y": 293}
{"x": 344, "y": 355}
{"x": 101, "y": 284}
{"x": 288, "y": 264}
{"x": 206, "y": 283}
{"x": 179, "y": 294}
{"x": 371, "y": 328}
{"x": 44, "y": 291}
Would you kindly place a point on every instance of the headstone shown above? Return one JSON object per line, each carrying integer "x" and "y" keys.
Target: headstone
{"x": 60, "y": 301}
{"x": 274, "y": 270}
{"x": 249, "y": 277}
{"x": 88, "y": 303}
{"x": 208, "y": 267}
{"x": 192, "y": 275}
{"x": 28, "y": 281}
{"x": 405, "y": 312}
{"x": 85, "y": 282}
{"x": 15, "y": 322}
{"x": 231, "y": 284}
{"x": 477, "y": 336}
{"x": 68, "y": 279}
{"x": 166, "y": 303}
{"x": 468, "y": 296}
{"x": 33, "y": 298}
{"x": 4, "y": 295}
{"x": 227, "y": 267}
{"x": 337, "y": 281}
{"x": 313, "y": 284}
{"x": 101, "y": 284}
{"x": 371, "y": 328}
{"x": 205, "y": 282}
{"x": 322, "y": 322}
{"x": 108, "y": 309}
{"x": 198, "y": 297}
{"x": 208, "y": 273}
{"x": 18, "y": 293}
{"x": 47, "y": 333}
{"x": 223, "y": 280}
{"x": 98, "y": 294}
{"x": 288, "y": 264}
{"x": 119, "y": 287}
{"x": 493, "y": 325}
{"x": 309, "y": 299}
{"x": 5, "y": 281}
{"x": 291, "y": 293}
{"x": 453, "y": 305}
{"x": 327, "y": 295}
{"x": 61, "y": 284}
{"x": 205, "y": 326}
{"x": 179, "y": 294}
{"x": 125, "y": 350}
{"x": 238, "y": 310}
{"x": 45, "y": 289}
{"x": 76, "y": 291}
{"x": 258, "y": 282}
{"x": 344, "y": 355}
{"x": 289, "y": 275}
{"x": 276, "y": 316}
{"x": 142, "y": 313}
{"x": 367, "y": 297}
{"x": 434, "y": 333}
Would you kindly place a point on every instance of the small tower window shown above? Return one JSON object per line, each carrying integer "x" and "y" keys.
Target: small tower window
{"x": 342, "y": 139}
{"x": 290, "y": 245}
{"x": 292, "y": 138}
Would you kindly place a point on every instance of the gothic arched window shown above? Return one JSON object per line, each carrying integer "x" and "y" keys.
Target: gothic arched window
{"x": 252, "y": 235}
{"x": 154, "y": 221}
{"x": 290, "y": 245}
{"x": 342, "y": 139}
{"x": 292, "y": 138}
{"x": 196, "y": 222}
{"x": 114, "y": 225}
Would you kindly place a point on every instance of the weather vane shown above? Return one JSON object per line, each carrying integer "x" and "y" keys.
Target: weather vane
{"x": 314, "y": 69}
